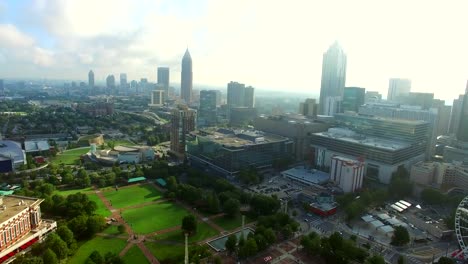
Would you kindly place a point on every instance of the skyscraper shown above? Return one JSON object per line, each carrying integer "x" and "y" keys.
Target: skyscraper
{"x": 163, "y": 75}
{"x": 249, "y": 97}
{"x": 353, "y": 98}
{"x": 462, "y": 133}
{"x": 398, "y": 87}
{"x": 2, "y": 88}
{"x": 110, "y": 83}
{"x": 186, "y": 81}
{"x": 207, "y": 110}
{"x": 123, "y": 80}
{"x": 183, "y": 121}
{"x": 235, "y": 94}
{"x": 455, "y": 115}
{"x": 91, "y": 79}
{"x": 308, "y": 108}
{"x": 333, "y": 78}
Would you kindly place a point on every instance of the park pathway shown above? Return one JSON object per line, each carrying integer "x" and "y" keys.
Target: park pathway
{"x": 132, "y": 238}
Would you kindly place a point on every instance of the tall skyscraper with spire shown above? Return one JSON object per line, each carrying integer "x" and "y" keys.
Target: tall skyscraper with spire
{"x": 91, "y": 78}
{"x": 186, "y": 82}
{"x": 333, "y": 79}
{"x": 462, "y": 133}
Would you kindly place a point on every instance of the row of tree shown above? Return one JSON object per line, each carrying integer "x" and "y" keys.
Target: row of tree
{"x": 269, "y": 229}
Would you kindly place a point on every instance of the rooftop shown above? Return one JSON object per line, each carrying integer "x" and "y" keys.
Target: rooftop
{"x": 11, "y": 205}
{"x": 307, "y": 175}
{"x": 346, "y": 135}
{"x": 36, "y": 145}
{"x": 238, "y": 137}
{"x": 11, "y": 149}
{"x": 324, "y": 206}
{"x": 389, "y": 120}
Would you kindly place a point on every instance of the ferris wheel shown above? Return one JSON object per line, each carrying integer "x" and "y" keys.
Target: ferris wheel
{"x": 461, "y": 228}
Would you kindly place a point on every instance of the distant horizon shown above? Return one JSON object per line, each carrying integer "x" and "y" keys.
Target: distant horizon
{"x": 239, "y": 40}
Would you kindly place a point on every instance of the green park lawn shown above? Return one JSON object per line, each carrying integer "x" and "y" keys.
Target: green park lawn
{"x": 164, "y": 251}
{"x": 229, "y": 223}
{"x": 101, "y": 208}
{"x": 120, "y": 142}
{"x": 101, "y": 244}
{"x": 154, "y": 217}
{"x": 112, "y": 230}
{"x": 70, "y": 157}
{"x": 73, "y": 191}
{"x": 134, "y": 195}
{"x": 204, "y": 231}
{"x": 134, "y": 255}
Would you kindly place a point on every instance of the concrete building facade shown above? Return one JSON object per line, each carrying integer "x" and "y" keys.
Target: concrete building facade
{"x": 21, "y": 225}
{"x": 347, "y": 173}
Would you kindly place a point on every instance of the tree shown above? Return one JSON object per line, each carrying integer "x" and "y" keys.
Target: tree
{"x": 400, "y": 185}
{"x": 112, "y": 258}
{"x": 189, "y": 224}
{"x": 111, "y": 144}
{"x": 60, "y": 248}
{"x": 431, "y": 196}
{"x": 232, "y": 207}
{"x": 445, "y": 260}
{"x": 249, "y": 248}
{"x": 49, "y": 257}
{"x": 96, "y": 257}
{"x": 400, "y": 236}
{"x": 375, "y": 260}
{"x": 213, "y": 203}
{"x": 401, "y": 260}
{"x": 65, "y": 234}
{"x": 121, "y": 229}
{"x": 94, "y": 224}
{"x": 172, "y": 183}
{"x": 231, "y": 244}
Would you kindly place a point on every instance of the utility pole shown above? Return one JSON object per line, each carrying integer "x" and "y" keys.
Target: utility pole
{"x": 186, "y": 260}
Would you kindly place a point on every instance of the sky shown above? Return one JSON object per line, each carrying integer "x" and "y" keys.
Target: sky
{"x": 269, "y": 44}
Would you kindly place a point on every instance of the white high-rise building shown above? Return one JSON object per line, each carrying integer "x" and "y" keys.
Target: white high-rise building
{"x": 347, "y": 173}
{"x": 398, "y": 87}
{"x": 333, "y": 77}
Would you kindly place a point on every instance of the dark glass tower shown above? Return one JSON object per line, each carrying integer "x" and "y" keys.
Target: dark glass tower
{"x": 186, "y": 82}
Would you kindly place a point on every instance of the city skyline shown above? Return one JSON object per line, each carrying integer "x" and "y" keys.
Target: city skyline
{"x": 54, "y": 40}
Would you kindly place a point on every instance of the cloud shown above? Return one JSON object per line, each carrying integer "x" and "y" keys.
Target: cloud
{"x": 19, "y": 47}
{"x": 269, "y": 44}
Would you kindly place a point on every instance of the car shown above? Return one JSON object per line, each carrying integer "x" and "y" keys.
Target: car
{"x": 307, "y": 220}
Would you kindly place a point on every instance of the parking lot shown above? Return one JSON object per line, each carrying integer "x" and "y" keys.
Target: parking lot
{"x": 277, "y": 185}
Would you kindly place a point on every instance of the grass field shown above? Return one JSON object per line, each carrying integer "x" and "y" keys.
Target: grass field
{"x": 204, "y": 231}
{"x": 125, "y": 197}
{"x": 120, "y": 142}
{"x": 70, "y": 157}
{"x": 101, "y": 208}
{"x": 154, "y": 217}
{"x": 112, "y": 230}
{"x": 231, "y": 223}
{"x": 165, "y": 251}
{"x": 101, "y": 244}
{"x": 134, "y": 255}
{"x": 73, "y": 191}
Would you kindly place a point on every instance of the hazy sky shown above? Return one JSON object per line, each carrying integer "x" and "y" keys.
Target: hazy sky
{"x": 270, "y": 44}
